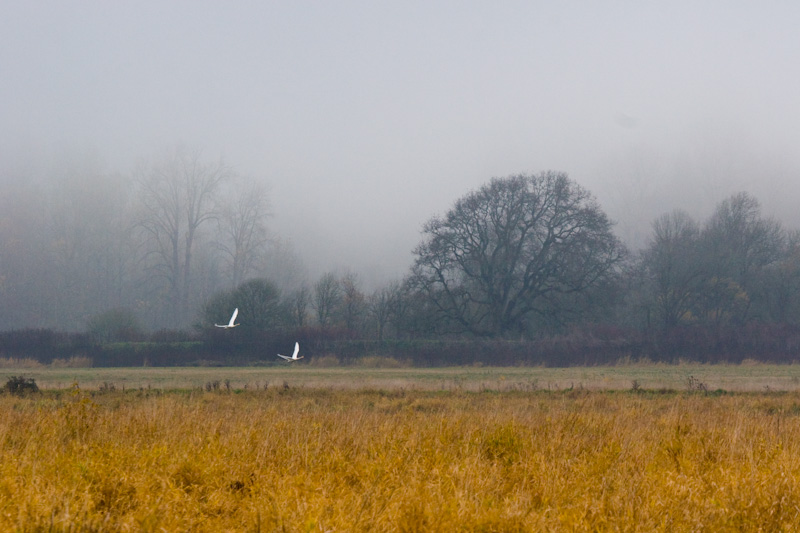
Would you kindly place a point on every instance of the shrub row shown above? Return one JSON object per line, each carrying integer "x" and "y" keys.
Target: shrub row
{"x": 598, "y": 346}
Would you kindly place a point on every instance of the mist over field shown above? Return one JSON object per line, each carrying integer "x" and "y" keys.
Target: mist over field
{"x": 358, "y": 121}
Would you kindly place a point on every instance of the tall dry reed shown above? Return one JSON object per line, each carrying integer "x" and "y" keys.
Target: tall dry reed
{"x": 325, "y": 460}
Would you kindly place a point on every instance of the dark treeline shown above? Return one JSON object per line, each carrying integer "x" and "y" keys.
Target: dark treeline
{"x": 767, "y": 343}
{"x": 525, "y": 270}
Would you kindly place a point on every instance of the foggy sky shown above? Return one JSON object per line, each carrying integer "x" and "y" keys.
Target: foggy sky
{"x": 367, "y": 118}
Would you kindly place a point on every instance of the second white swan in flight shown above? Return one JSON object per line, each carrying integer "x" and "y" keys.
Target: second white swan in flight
{"x": 231, "y": 323}
{"x": 294, "y": 355}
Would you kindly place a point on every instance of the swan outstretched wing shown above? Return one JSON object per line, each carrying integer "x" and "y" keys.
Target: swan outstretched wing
{"x": 294, "y": 355}
{"x": 231, "y": 323}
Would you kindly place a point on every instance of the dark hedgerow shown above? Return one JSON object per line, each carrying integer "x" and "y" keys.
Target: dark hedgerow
{"x": 19, "y": 385}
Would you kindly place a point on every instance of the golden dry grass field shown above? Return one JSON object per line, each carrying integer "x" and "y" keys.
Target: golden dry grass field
{"x": 349, "y": 459}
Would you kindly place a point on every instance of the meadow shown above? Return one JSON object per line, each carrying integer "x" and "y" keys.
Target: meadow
{"x": 326, "y": 458}
{"x": 747, "y": 377}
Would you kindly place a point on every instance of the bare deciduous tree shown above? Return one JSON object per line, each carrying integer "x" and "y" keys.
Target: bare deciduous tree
{"x": 243, "y": 228}
{"x": 781, "y": 284}
{"x": 177, "y": 195}
{"x": 327, "y": 296}
{"x": 512, "y": 245}
{"x": 739, "y": 244}
{"x": 382, "y": 305}
{"x": 674, "y": 266}
{"x": 740, "y": 240}
{"x": 259, "y": 301}
{"x": 352, "y": 302}
{"x": 298, "y": 304}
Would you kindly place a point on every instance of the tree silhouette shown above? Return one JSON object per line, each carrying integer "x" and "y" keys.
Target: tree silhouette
{"x": 510, "y": 249}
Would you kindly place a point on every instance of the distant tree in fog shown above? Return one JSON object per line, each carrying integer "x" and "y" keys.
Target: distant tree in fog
{"x": 512, "y": 249}
{"x": 119, "y": 324}
{"x": 353, "y": 304}
{"x": 77, "y": 242}
{"x": 26, "y": 277}
{"x": 218, "y": 308}
{"x": 91, "y": 244}
{"x": 258, "y": 301}
{"x": 737, "y": 267}
{"x": 177, "y": 197}
{"x": 326, "y": 298}
{"x": 243, "y": 229}
{"x": 414, "y": 314}
{"x": 739, "y": 244}
{"x": 740, "y": 241}
{"x": 780, "y": 284}
{"x": 282, "y": 264}
{"x": 381, "y": 306}
{"x": 298, "y": 303}
{"x": 674, "y": 267}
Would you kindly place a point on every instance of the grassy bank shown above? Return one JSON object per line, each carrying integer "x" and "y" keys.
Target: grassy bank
{"x": 744, "y": 377}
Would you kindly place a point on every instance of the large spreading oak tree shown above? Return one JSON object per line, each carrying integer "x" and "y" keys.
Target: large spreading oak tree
{"x": 512, "y": 249}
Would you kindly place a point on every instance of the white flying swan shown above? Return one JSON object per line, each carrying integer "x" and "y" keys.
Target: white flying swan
{"x": 294, "y": 355}
{"x": 231, "y": 323}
